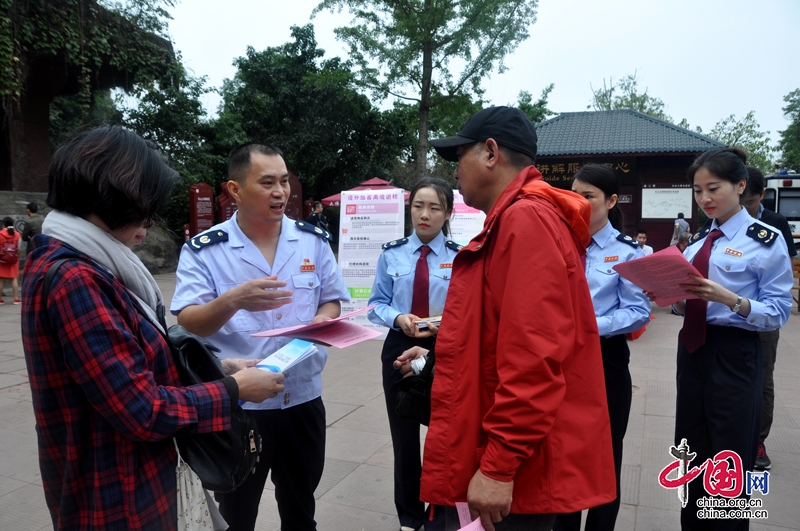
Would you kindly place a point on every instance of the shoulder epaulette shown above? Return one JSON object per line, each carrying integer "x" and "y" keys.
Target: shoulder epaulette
{"x": 308, "y": 227}
{"x": 394, "y": 243}
{"x": 206, "y": 239}
{"x": 624, "y": 238}
{"x": 450, "y": 244}
{"x": 762, "y": 234}
{"x": 700, "y": 234}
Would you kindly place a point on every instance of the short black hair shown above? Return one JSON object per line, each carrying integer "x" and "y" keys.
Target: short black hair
{"x": 680, "y": 215}
{"x": 516, "y": 159}
{"x": 113, "y": 173}
{"x": 317, "y": 204}
{"x": 725, "y": 163}
{"x": 640, "y": 231}
{"x": 755, "y": 181}
{"x": 33, "y": 207}
{"x": 239, "y": 158}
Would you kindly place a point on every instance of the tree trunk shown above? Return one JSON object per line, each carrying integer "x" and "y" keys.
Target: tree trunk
{"x": 424, "y": 104}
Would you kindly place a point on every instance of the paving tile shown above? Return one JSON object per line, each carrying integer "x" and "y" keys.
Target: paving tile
{"x": 629, "y": 489}
{"x": 652, "y": 494}
{"x": 653, "y": 519}
{"x": 10, "y": 485}
{"x": 662, "y": 389}
{"x": 659, "y": 427}
{"x": 660, "y": 406}
{"x": 349, "y": 393}
{"x": 334, "y": 411}
{"x": 784, "y": 439}
{"x": 626, "y": 518}
{"x": 24, "y": 508}
{"x": 20, "y": 459}
{"x": 334, "y": 516}
{"x": 782, "y": 417}
{"x": 367, "y": 487}
{"x": 367, "y": 418}
{"x": 335, "y": 471}
{"x": 12, "y": 364}
{"x": 655, "y": 452}
{"x": 635, "y": 425}
{"x": 383, "y": 457}
{"x": 350, "y": 445}
{"x": 17, "y": 392}
{"x": 11, "y": 380}
{"x": 631, "y": 449}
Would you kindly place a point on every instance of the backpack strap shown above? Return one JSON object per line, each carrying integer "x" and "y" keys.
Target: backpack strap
{"x": 48, "y": 279}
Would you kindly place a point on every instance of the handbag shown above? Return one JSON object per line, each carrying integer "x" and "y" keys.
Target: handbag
{"x": 414, "y": 393}
{"x": 222, "y": 459}
{"x": 196, "y": 508}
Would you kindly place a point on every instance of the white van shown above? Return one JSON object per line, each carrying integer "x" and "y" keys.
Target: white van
{"x": 782, "y": 195}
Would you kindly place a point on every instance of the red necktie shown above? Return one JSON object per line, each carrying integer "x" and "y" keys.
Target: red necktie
{"x": 419, "y": 302}
{"x": 694, "y": 324}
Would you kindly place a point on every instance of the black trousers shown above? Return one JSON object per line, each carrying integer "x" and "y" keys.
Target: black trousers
{"x": 294, "y": 449}
{"x": 619, "y": 393}
{"x": 719, "y": 408}
{"x": 405, "y": 436}
{"x": 512, "y": 522}
{"x": 769, "y": 349}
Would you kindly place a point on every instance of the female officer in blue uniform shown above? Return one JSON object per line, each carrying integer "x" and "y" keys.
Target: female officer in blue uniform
{"x": 746, "y": 290}
{"x": 400, "y": 297}
{"x": 620, "y": 307}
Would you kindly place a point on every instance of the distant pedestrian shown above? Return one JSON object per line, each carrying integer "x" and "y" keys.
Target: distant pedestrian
{"x": 9, "y": 247}
{"x": 683, "y": 241}
{"x": 317, "y": 218}
{"x": 33, "y": 226}
{"x": 681, "y": 225}
{"x": 641, "y": 237}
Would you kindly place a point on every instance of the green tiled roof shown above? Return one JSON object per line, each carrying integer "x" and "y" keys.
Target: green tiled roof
{"x": 620, "y": 131}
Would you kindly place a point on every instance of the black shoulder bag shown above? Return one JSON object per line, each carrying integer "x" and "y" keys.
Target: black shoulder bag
{"x": 222, "y": 459}
{"x": 414, "y": 393}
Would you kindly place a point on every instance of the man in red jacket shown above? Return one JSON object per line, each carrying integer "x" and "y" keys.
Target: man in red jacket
{"x": 519, "y": 423}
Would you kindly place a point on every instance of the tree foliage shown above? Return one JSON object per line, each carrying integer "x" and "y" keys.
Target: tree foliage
{"x": 292, "y": 97}
{"x": 85, "y": 36}
{"x": 430, "y": 51}
{"x": 625, "y": 95}
{"x": 536, "y": 112}
{"x": 746, "y": 134}
{"x": 789, "y": 143}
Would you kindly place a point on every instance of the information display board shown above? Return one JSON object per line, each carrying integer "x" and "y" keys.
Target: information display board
{"x": 367, "y": 220}
{"x": 466, "y": 222}
{"x": 666, "y": 203}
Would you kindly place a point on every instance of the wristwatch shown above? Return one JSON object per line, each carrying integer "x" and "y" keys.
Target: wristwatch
{"x": 738, "y": 305}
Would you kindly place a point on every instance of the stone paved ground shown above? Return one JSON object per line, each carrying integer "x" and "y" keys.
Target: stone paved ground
{"x": 356, "y": 488}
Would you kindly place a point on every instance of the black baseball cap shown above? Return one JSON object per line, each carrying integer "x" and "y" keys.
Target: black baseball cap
{"x": 508, "y": 126}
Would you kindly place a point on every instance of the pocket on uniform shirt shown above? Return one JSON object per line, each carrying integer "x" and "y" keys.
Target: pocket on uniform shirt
{"x": 728, "y": 266}
{"x": 607, "y": 270}
{"x": 398, "y": 273}
{"x": 304, "y": 298}
{"x": 443, "y": 274}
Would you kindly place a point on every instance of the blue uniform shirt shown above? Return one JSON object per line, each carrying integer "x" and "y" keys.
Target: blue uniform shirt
{"x": 218, "y": 267}
{"x": 756, "y": 271}
{"x": 620, "y": 306}
{"x": 394, "y": 279}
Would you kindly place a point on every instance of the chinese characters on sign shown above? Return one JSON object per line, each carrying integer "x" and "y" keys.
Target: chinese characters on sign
{"x": 368, "y": 219}
{"x": 557, "y": 171}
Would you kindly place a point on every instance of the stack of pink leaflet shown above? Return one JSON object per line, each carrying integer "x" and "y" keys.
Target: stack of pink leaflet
{"x": 661, "y": 273}
{"x": 333, "y": 333}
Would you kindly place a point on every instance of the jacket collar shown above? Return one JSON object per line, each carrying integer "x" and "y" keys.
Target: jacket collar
{"x": 573, "y": 209}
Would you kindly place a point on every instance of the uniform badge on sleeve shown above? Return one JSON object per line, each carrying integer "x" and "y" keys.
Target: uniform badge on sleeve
{"x": 307, "y": 266}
